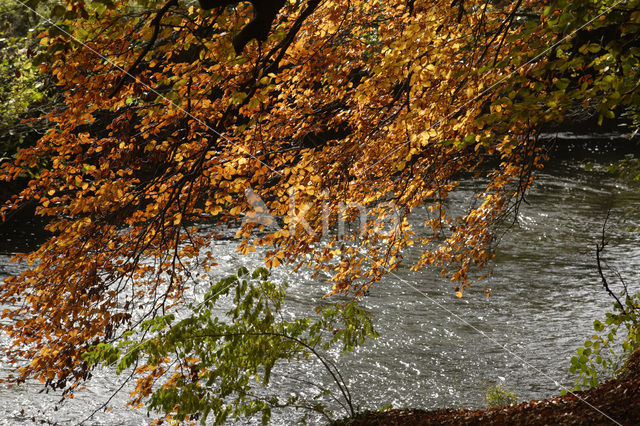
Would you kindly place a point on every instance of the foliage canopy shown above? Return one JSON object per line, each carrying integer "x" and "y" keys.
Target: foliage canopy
{"x": 382, "y": 104}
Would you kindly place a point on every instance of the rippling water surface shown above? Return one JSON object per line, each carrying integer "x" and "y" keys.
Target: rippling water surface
{"x": 436, "y": 350}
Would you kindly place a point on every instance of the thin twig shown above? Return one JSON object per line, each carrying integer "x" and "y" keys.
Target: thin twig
{"x": 599, "y": 249}
{"x": 156, "y": 30}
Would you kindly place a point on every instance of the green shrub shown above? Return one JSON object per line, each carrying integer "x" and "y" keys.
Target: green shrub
{"x": 603, "y": 356}
{"x": 216, "y": 366}
{"x": 499, "y": 396}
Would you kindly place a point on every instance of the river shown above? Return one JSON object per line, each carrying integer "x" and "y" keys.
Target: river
{"x": 434, "y": 349}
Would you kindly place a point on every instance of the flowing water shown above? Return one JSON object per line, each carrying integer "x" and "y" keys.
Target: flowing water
{"x": 436, "y": 350}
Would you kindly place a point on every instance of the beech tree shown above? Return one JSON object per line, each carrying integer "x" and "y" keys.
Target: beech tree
{"x": 172, "y": 123}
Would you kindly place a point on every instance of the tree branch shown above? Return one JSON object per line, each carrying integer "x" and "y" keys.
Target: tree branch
{"x": 156, "y": 30}
{"x": 599, "y": 249}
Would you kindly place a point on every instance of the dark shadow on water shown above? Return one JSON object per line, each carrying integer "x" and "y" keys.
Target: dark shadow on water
{"x": 22, "y": 232}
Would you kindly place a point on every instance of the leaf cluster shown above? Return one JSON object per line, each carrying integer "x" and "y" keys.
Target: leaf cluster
{"x": 208, "y": 364}
{"x": 603, "y": 356}
{"x": 22, "y": 87}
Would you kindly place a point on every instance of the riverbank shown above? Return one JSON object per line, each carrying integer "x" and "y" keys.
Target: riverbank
{"x": 613, "y": 402}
